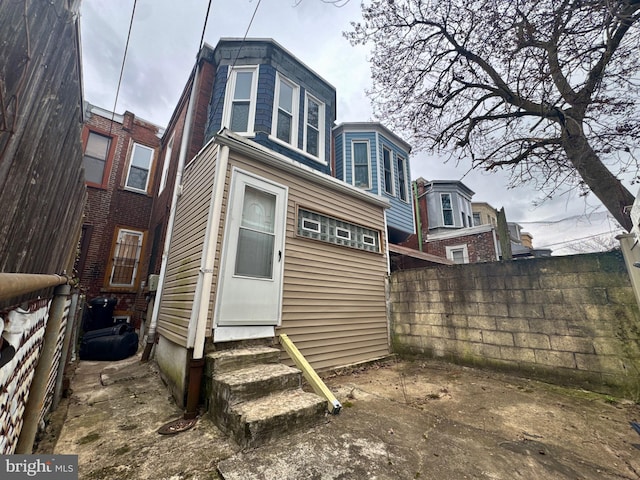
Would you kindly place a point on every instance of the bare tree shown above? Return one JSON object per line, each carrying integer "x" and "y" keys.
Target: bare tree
{"x": 605, "y": 242}
{"x": 548, "y": 89}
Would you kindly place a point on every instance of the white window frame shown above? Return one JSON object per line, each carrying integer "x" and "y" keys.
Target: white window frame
{"x": 134, "y": 274}
{"x": 340, "y": 233}
{"x": 295, "y": 108}
{"x": 118, "y": 319}
{"x": 133, "y": 151}
{"x": 309, "y": 220}
{"x": 353, "y": 164}
{"x": 390, "y": 191}
{"x": 321, "y": 116}
{"x": 165, "y": 166}
{"x": 456, "y": 248}
{"x": 368, "y": 240}
{"x": 230, "y": 91}
{"x": 453, "y": 220}
{"x": 401, "y": 161}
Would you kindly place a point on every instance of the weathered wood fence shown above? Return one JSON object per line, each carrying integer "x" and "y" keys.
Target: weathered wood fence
{"x": 42, "y": 189}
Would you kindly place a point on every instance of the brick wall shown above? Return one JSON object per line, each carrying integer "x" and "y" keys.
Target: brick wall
{"x": 111, "y": 207}
{"x": 569, "y": 320}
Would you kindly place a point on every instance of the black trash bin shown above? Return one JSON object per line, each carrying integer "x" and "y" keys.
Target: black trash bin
{"x": 113, "y": 343}
{"x": 99, "y": 314}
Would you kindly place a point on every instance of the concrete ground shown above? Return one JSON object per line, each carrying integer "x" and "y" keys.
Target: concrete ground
{"x": 400, "y": 420}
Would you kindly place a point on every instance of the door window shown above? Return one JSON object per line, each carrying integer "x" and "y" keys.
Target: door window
{"x": 256, "y": 237}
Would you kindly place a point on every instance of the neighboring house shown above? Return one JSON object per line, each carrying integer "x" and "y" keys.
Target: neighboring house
{"x": 454, "y": 227}
{"x": 370, "y": 157}
{"x": 484, "y": 214}
{"x": 120, "y": 157}
{"x": 526, "y": 239}
{"x": 448, "y": 230}
{"x": 522, "y": 243}
{"x": 265, "y": 240}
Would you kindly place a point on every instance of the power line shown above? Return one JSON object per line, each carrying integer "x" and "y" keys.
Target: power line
{"x": 575, "y": 240}
{"x": 124, "y": 58}
{"x": 233, "y": 64}
{"x": 204, "y": 28}
{"x": 560, "y": 220}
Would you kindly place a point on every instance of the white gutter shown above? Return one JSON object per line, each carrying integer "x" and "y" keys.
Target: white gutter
{"x": 386, "y": 242}
{"x": 177, "y": 190}
{"x": 205, "y": 276}
{"x": 269, "y": 157}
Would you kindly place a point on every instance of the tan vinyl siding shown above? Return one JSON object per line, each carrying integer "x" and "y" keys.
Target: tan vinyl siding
{"x": 186, "y": 249}
{"x": 334, "y": 305}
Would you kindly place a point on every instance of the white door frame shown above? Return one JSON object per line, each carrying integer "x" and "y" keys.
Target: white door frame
{"x": 240, "y": 178}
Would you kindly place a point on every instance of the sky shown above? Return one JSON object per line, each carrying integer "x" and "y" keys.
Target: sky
{"x": 163, "y": 45}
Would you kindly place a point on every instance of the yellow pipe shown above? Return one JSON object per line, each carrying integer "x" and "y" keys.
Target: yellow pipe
{"x": 310, "y": 374}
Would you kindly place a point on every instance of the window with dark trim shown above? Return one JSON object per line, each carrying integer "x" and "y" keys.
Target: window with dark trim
{"x": 96, "y": 153}
{"x": 126, "y": 256}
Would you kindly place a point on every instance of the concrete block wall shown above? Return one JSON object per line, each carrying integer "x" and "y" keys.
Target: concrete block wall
{"x": 569, "y": 320}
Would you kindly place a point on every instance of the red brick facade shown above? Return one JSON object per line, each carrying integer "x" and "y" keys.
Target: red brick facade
{"x": 110, "y": 206}
{"x": 161, "y": 208}
{"x": 480, "y": 246}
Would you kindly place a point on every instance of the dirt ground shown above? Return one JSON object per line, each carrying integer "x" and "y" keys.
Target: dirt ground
{"x": 400, "y": 420}
{"x": 551, "y": 425}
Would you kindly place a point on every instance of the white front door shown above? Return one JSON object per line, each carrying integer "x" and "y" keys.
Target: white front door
{"x": 250, "y": 285}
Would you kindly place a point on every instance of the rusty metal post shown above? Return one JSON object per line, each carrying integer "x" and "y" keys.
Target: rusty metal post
{"x": 14, "y": 284}
{"x": 72, "y": 319}
{"x": 38, "y": 388}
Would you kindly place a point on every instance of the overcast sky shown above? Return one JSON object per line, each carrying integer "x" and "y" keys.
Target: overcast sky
{"x": 162, "y": 49}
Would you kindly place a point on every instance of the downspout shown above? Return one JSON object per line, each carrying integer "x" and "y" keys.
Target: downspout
{"x": 417, "y": 210}
{"x": 177, "y": 190}
{"x": 205, "y": 281}
{"x": 386, "y": 241}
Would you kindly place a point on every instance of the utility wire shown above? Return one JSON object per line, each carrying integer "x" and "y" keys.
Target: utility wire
{"x": 575, "y": 240}
{"x": 124, "y": 58}
{"x": 233, "y": 64}
{"x": 204, "y": 28}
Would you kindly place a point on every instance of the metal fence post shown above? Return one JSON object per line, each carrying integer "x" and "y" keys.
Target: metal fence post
{"x": 64, "y": 356}
{"x": 38, "y": 388}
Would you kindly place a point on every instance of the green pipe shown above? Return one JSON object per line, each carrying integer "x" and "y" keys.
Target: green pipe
{"x": 417, "y": 209}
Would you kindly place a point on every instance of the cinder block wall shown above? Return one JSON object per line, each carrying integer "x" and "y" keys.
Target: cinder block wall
{"x": 569, "y": 320}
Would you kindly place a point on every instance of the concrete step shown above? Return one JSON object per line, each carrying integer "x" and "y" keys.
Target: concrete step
{"x": 227, "y": 360}
{"x": 253, "y": 382}
{"x": 255, "y": 422}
